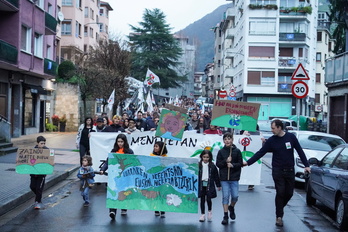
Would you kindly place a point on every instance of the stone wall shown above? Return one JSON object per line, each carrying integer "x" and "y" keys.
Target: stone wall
{"x": 67, "y": 102}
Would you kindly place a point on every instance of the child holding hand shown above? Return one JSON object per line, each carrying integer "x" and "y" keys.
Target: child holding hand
{"x": 208, "y": 178}
{"x": 86, "y": 175}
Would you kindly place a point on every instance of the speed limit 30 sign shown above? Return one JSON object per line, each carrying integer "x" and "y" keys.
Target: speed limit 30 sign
{"x": 299, "y": 89}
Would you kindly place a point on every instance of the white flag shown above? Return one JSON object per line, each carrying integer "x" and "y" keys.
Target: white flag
{"x": 111, "y": 100}
{"x": 149, "y": 103}
{"x": 151, "y": 78}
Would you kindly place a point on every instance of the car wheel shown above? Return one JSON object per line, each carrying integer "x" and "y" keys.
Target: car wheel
{"x": 309, "y": 199}
{"x": 341, "y": 213}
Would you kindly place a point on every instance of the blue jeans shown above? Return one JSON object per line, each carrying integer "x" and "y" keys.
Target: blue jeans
{"x": 229, "y": 189}
{"x": 85, "y": 194}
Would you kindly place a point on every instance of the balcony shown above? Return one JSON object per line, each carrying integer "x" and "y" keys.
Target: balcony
{"x": 231, "y": 13}
{"x": 229, "y": 73}
{"x": 291, "y": 62}
{"x": 229, "y": 54}
{"x": 8, "y": 52}
{"x": 50, "y": 67}
{"x": 284, "y": 87}
{"x": 9, "y": 5}
{"x": 290, "y": 37}
{"x": 51, "y": 24}
{"x": 229, "y": 33}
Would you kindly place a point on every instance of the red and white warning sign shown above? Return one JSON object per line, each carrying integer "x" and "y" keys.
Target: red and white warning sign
{"x": 300, "y": 73}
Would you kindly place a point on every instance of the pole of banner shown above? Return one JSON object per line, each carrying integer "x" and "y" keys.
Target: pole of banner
{"x": 228, "y": 171}
{"x": 165, "y": 143}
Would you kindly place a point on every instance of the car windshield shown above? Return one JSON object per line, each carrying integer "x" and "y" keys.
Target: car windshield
{"x": 319, "y": 142}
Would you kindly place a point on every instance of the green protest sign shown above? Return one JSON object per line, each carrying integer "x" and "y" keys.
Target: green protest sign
{"x": 152, "y": 183}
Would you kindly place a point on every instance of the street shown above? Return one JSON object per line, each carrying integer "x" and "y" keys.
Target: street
{"x": 64, "y": 211}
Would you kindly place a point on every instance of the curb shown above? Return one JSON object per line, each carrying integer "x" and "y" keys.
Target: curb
{"x": 23, "y": 196}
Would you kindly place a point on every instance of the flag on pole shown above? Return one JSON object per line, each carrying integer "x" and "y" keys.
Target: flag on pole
{"x": 111, "y": 100}
{"x": 151, "y": 78}
{"x": 149, "y": 103}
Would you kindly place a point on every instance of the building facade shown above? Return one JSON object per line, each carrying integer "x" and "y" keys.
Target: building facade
{"x": 27, "y": 63}
{"x": 258, "y": 47}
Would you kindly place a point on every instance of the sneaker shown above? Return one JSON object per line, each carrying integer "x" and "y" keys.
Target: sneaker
{"x": 112, "y": 215}
{"x": 157, "y": 213}
{"x": 90, "y": 185}
{"x": 123, "y": 212}
{"x": 163, "y": 214}
{"x": 37, "y": 205}
{"x": 279, "y": 222}
{"x": 210, "y": 216}
{"x": 250, "y": 187}
{"x": 232, "y": 214}
{"x": 86, "y": 204}
{"x": 202, "y": 218}
{"x": 225, "y": 220}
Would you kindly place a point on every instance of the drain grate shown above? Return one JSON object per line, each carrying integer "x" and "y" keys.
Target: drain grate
{"x": 11, "y": 169}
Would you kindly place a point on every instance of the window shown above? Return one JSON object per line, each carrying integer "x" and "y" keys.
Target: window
{"x": 38, "y": 44}
{"x": 341, "y": 161}
{"x": 67, "y": 3}
{"x": 92, "y": 14}
{"x": 78, "y": 4}
{"x": 262, "y": 27}
{"x": 287, "y": 3}
{"x": 78, "y": 29}
{"x": 85, "y": 48}
{"x": 26, "y": 38}
{"x": 329, "y": 158}
{"x": 49, "y": 52}
{"x": 29, "y": 108}
{"x": 66, "y": 27}
{"x": 85, "y": 31}
{"x": 318, "y": 78}
{"x": 86, "y": 12}
{"x": 39, "y": 3}
{"x": 317, "y": 98}
{"x": 50, "y": 9}
{"x": 286, "y": 52}
{"x": 261, "y": 78}
{"x": 101, "y": 26}
{"x": 261, "y": 52}
{"x": 97, "y": 36}
{"x": 300, "y": 52}
{"x": 106, "y": 29}
{"x": 91, "y": 32}
{"x": 329, "y": 47}
{"x": 319, "y": 35}
{"x": 101, "y": 11}
{"x": 318, "y": 56}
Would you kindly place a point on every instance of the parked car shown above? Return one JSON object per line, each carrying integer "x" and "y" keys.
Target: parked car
{"x": 314, "y": 144}
{"x": 328, "y": 183}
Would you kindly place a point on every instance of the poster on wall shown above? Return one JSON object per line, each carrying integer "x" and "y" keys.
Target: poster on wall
{"x": 152, "y": 183}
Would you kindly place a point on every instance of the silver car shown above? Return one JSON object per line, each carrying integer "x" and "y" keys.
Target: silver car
{"x": 314, "y": 144}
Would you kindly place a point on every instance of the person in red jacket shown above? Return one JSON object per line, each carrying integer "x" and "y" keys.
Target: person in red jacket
{"x": 213, "y": 130}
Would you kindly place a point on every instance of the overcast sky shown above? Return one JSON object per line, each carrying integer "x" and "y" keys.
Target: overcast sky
{"x": 179, "y": 13}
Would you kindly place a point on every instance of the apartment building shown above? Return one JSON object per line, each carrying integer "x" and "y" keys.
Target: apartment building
{"x": 325, "y": 46}
{"x": 83, "y": 25}
{"x": 27, "y": 64}
{"x": 259, "y": 45}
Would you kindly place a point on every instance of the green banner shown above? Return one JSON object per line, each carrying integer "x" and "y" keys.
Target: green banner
{"x": 152, "y": 183}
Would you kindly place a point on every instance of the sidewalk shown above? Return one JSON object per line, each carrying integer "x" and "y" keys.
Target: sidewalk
{"x": 15, "y": 189}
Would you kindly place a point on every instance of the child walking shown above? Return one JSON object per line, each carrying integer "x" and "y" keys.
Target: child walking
{"x": 208, "y": 178}
{"x": 159, "y": 149}
{"x": 86, "y": 175}
{"x": 121, "y": 146}
{"x": 37, "y": 182}
{"x": 229, "y": 161}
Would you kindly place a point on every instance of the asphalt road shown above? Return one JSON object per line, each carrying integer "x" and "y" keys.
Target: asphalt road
{"x": 64, "y": 211}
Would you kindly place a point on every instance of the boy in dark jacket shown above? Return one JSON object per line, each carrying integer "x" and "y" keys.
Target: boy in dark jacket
{"x": 37, "y": 182}
{"x": 229, "y": 161}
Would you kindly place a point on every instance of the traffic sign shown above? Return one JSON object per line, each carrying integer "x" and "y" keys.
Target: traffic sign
{"x": 232, "y": 94}
{"x": 299, "y": 89}
{"x": 300, "y": 73}
{"x": 222, "y": 93}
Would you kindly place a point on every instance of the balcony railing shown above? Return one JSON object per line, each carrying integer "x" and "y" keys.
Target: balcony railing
{"x": 231, "y": 13}
{"x": 284, "y": 87}
{"x": 229, "y": 33}
{"x": 291, "y": 61}
{"x": 292, "y": 37}
{"x": 229, "y": 73}
{"x": 9, "y": 5}
{"x": 8, "y": 52}
{"x": 51, "y": 24}
{"x": 50, "y": 67}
